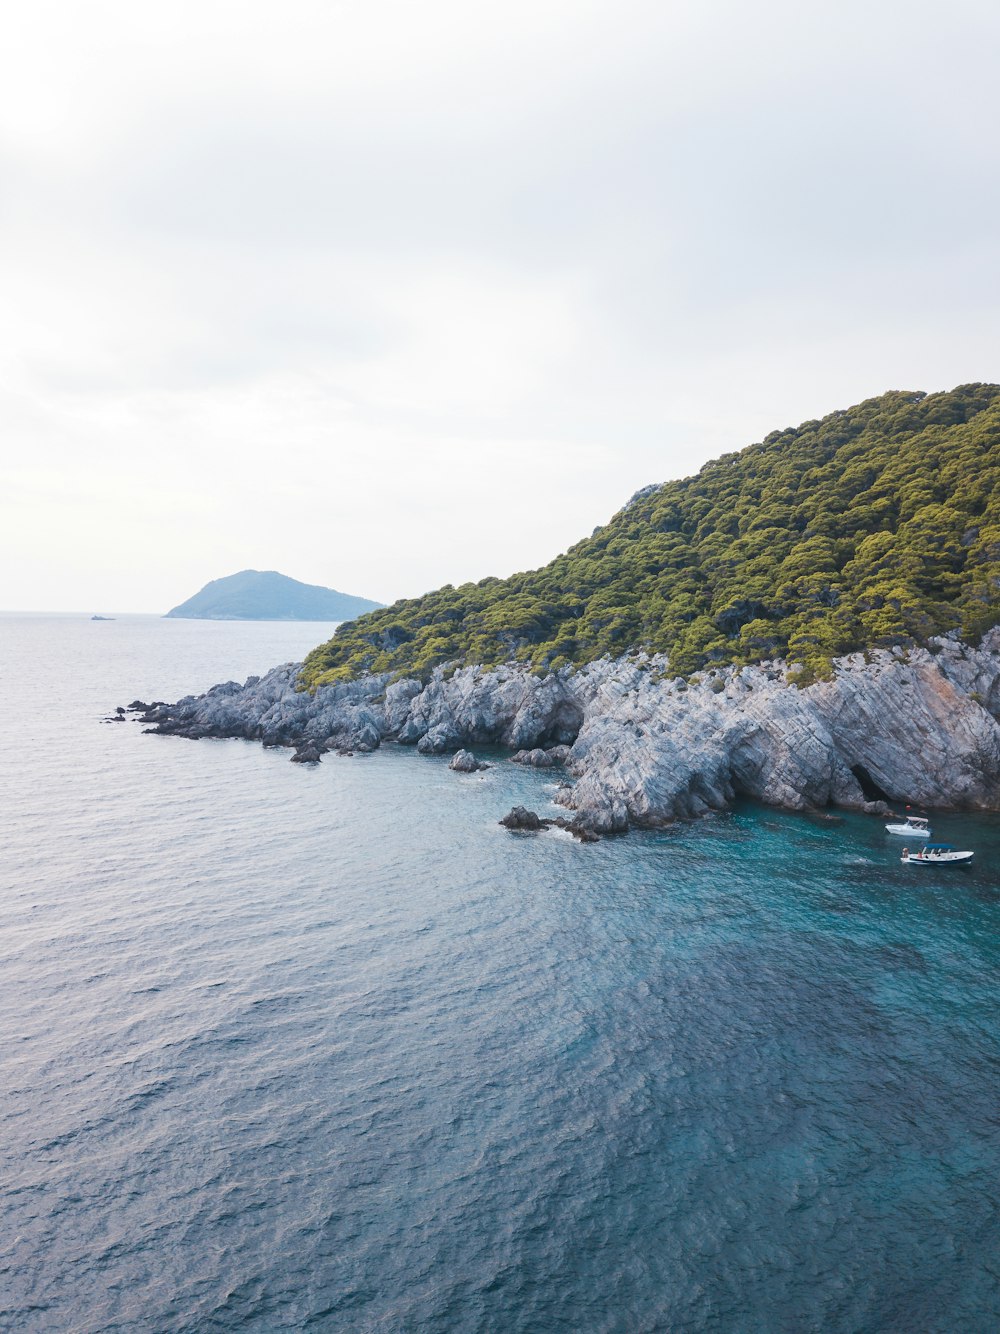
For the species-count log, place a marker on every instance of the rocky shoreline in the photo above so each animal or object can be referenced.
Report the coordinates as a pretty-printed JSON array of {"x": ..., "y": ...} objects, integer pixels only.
[{"x": 642, "y": 748}]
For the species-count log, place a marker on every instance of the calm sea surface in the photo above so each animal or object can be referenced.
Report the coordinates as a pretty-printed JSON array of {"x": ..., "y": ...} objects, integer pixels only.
[{"x": 291, "y": 1048}]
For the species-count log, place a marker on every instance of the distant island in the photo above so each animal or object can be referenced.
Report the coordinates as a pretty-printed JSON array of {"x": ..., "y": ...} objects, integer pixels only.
[{"x": 266, "y": 595}]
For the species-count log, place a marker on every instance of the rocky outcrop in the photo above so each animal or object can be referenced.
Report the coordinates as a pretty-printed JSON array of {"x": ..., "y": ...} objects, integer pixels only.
[
  {"x": 520, "y": 820},
  {"x": 307, "y": 754},
  {"x": 464, "y": 762},
  {"x": 542, "y": 759},
  {"x": 643, "y": 748}
]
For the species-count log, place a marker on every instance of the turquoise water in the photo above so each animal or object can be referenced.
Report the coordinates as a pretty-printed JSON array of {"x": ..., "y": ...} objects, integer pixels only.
[{"x": 325, "y": 1048}]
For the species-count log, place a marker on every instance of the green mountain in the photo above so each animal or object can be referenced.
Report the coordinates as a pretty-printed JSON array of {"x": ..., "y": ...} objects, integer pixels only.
[
  {"x": 879, "y": 525},
  {"x": 266, "y": 595}
]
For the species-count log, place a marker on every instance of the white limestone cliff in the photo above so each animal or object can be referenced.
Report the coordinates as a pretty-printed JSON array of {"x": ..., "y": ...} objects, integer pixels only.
[{"x": 917, "y": 726}]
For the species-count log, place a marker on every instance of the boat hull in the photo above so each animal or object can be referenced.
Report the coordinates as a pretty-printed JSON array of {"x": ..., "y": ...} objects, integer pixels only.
[{"x": 940, "y": 859}]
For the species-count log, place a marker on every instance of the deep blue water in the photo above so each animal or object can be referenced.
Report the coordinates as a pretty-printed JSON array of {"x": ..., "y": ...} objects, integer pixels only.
[{"x": 326, "y": 1049}]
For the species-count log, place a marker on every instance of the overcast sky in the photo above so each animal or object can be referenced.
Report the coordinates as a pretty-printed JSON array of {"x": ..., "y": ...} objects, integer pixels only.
[{"x": 389, "y": 295}]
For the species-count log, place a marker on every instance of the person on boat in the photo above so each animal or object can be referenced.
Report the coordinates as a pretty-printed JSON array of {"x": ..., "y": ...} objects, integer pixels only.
[{"x": 906, "y": 855}]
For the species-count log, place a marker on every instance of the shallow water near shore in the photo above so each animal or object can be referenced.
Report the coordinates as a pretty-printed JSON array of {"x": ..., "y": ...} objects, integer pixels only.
[{"x": 293, "y": 1047}]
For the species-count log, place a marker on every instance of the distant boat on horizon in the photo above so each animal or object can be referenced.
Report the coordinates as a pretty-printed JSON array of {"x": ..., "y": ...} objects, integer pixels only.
[{"x": 102, "y": 618}]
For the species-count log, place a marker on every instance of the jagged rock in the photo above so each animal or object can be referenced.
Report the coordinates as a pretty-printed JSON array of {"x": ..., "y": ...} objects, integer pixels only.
[
  {"x": 464, "y": 762},
  {"x": 397, "y": 703},
  {"x": 307, "y": 754},
  {"x": 438, "y": 740},
  {"x": 576, "y": 829},
  {"x": 537, "y": 758},
  {"x": 541, "y": 759},
  {"x": 644, "y": 748},
  {"x": 137, "y": 706},
  {"x": 519, "y": 817}
]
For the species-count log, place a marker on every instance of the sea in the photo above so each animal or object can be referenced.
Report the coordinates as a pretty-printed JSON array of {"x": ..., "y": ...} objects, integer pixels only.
[{"x": 326, "y": 1048}]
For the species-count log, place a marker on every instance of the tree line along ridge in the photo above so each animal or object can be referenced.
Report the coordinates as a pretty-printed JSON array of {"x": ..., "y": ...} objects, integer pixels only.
[{"x": 876, "y": 526}]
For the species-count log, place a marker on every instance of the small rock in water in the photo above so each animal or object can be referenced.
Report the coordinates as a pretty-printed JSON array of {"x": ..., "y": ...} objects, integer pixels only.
[
  {"x": 519, "y": 817},
  {"x": 464, "y": 762},
  {"x": 307, "y": 754}
]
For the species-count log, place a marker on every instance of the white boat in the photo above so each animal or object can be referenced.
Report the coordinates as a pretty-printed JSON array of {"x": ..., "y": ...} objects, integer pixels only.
[
  {"x": 915, "y": 826},
  {"x": 937, "y": 854}
]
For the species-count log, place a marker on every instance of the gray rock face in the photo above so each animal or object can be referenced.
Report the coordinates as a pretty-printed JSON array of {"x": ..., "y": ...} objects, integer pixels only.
[
  {"x": 542, "y": 759},
  {"x": 644, "y": 749}
]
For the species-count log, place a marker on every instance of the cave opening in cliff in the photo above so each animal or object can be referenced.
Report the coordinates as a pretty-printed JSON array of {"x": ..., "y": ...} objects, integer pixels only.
[{"x": 871, "y": 789}]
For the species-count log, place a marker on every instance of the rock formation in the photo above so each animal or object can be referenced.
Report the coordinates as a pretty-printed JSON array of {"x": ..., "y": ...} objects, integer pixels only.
[
  {"x": 464, "y": 762},
  {"x": 307, "y": 753},
  {"x": 542, "y": 759},
  {"x": 520, "y": 820},
  {"x": 644, "y": 748}
]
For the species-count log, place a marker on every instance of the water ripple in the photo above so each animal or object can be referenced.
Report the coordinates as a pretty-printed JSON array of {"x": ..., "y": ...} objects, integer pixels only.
[{"x": 334, "y": 1052}]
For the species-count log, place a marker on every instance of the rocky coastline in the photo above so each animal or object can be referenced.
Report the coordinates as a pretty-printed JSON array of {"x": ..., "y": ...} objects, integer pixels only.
[{"x": 640, "y": 747}]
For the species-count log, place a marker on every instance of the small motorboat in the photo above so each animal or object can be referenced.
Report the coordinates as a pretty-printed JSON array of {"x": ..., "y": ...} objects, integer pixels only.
[
  {"x": 915, "y": 826},
  {"x": 937, "y": 854}
]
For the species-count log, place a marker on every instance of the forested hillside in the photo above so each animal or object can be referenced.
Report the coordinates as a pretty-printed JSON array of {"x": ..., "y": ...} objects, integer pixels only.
[{"x": 878, "y": 525}]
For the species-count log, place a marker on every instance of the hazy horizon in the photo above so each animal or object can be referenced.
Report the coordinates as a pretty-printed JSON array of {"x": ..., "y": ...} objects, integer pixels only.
[
  {"x": 385, "y": 297},
  {"x": 77, "y": 611}
]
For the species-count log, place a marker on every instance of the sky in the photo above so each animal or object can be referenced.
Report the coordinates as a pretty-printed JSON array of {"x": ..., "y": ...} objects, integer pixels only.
[{"x": 390, "y": 295}]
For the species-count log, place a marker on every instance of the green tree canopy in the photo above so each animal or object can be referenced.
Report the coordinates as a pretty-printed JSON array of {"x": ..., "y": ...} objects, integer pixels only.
[{"x": 875, "y": 526}]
